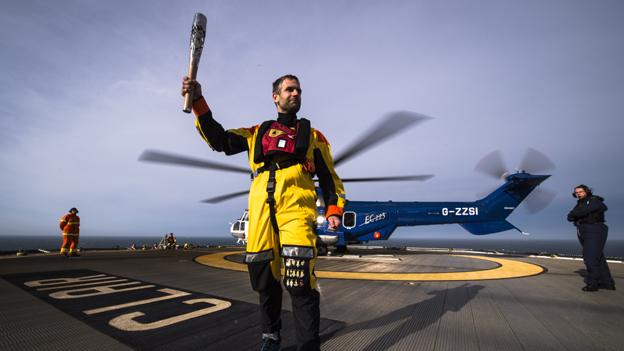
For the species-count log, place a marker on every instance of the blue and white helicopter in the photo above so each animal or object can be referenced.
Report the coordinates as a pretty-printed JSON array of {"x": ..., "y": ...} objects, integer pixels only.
[{"x": 365, "y": 221}]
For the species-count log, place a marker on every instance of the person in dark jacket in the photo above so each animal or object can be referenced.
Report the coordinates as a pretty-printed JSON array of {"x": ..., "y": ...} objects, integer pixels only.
[{"x": 588, "y": 217}]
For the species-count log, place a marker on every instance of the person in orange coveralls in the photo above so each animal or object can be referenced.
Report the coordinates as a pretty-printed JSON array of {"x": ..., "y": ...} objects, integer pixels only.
[{"x": 70, "y": 227}]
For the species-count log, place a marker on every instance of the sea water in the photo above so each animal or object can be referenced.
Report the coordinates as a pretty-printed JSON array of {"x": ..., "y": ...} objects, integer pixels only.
[{"x": 613, "y": 249}]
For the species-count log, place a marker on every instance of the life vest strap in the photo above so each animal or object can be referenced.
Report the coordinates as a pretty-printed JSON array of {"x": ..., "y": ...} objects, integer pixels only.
[
  {"x": 276, "y": 166},
  {"x": 271, "y": 202}
]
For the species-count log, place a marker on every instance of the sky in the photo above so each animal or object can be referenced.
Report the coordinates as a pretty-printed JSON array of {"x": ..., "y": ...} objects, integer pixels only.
[{"x": 88, "y": 85}]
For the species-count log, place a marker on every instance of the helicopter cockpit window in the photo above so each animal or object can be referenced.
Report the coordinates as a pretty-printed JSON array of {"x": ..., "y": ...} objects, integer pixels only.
[{"x": 348, "y": 219}]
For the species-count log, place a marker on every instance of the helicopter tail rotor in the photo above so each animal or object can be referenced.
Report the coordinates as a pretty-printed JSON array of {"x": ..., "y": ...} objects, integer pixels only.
[
  {"x": 533, "y": 162},
  {"x": 539, "y": 199},
  {"x": 492, "y": 165},
  {"x": 536, "y": 162}
]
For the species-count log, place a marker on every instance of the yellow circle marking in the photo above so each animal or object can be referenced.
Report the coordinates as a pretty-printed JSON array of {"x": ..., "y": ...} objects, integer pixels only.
[{"x": 508, "y": 269}]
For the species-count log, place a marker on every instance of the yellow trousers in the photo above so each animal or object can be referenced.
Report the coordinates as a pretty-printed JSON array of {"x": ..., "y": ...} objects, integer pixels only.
[{"x": 295, "y": 205}]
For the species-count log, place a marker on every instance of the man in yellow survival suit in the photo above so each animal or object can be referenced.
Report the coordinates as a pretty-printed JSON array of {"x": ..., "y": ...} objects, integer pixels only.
[{"x": 284, "y": 154}]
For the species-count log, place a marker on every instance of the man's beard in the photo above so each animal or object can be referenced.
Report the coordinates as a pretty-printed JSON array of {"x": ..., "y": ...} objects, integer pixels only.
[{"x": 291, "y": 107}]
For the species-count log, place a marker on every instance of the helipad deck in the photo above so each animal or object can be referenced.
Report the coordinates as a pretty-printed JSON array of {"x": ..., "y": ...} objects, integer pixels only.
[{"x": 188, "y": 306}]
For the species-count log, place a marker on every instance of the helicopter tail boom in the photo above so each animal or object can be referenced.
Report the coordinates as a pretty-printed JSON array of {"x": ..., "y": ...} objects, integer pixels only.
[{"x": 499, "y": 204}]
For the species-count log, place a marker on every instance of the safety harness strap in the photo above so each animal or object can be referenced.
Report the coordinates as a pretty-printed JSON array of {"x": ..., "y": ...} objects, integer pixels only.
[
  {"x": 302, "y": 141},
  {"x": 272, "y": 167},
  {"x": 271, "y": 201}
]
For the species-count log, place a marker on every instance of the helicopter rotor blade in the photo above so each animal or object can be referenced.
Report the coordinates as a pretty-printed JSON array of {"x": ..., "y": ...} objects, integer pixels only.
[
  {"x": 217, "y": 199},
  {"x": 492, "y": 164},
  {"x": 421, "y": 177},
  {"x": 392, "y": 124},
  {"x": 178, "y": 160},
  {"x": 538, "y": 199},
  {"x": 536, "y": 162}
]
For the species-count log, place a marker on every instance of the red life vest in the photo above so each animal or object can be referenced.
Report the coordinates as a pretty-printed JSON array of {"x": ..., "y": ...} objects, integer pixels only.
[
  {"x": 279, "y": 139},
  {"x": 276, "y": 140}
]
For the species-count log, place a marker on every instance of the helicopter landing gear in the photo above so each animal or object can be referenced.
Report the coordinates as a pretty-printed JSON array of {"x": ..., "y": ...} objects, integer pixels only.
[
  {"x": 321, "y": 249},
  {"x": 341, "y": 248}
]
